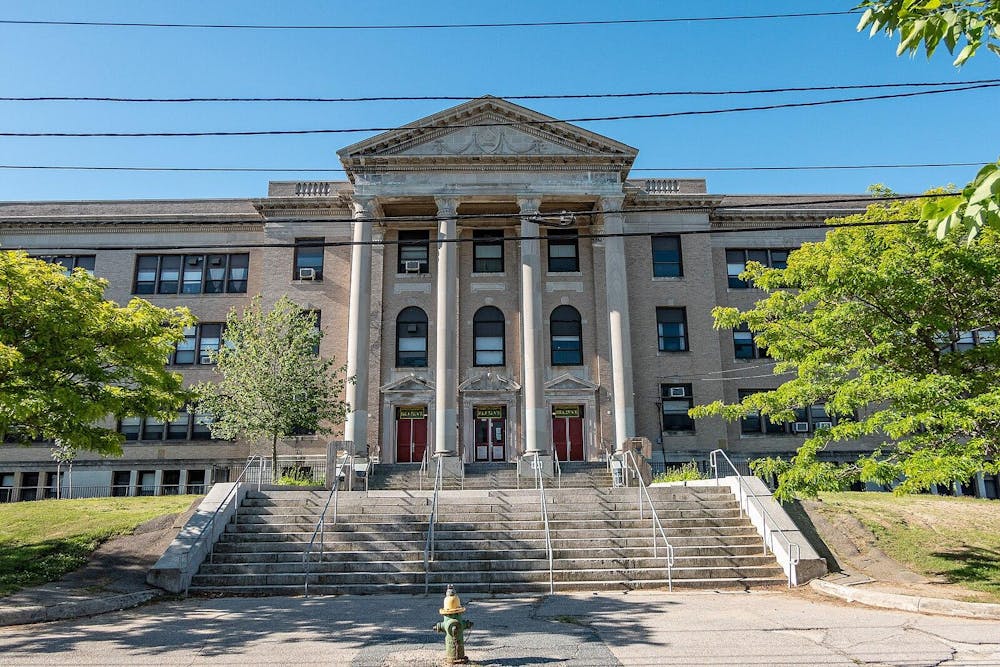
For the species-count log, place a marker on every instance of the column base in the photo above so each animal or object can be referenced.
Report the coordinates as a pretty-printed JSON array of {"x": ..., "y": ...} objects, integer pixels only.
[{"x": 526, "y": 466}]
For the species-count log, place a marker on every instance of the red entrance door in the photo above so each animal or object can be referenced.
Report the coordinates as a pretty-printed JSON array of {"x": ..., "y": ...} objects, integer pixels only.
[
  {"x": 491, "y": 433},
  {"x": 567, "y": 432},
  {"x": 411, "y": 434}
]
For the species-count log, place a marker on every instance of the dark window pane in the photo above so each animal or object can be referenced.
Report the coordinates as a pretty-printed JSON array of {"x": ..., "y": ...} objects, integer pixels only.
[
  {"x": 177, "y": 429},
  {"x": 488, "y": 335},
  {"x": 487, "y": 250},
  {"x": 563, "y": 251},
  {"x": 184, "y": 354},
  {"x": 210, "y": 337},
  {"x": 129, "y": 427},
  {"x": 413, "y": 251},
  {"x": 86, "y": 262},
  {"x": 194, "y": 269},
  {"x": 667, "y": 257},
  {"x": 152, "y": 429},
  {"x": 735, "y": 265},
  {"x": 170, "y": 274},
  {"x": 145, "y": 274},
  {"x": 215, "y": 274},
  {"x": 239, "y": 266},
  {"x": 779, "y": 259},
  {"x": 309, "y": 259},
  {"x": 411, "y": 338},
  {"x": 565, "y": 330},
  {"x": 671, "y": 329}
]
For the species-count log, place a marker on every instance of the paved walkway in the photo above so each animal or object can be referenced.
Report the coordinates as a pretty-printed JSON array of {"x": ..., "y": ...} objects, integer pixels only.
[{"x": 762, "y": 628}]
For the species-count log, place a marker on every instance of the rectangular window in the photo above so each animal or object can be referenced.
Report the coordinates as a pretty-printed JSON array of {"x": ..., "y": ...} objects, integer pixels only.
[
  {"x": 667, "y": 256},
  {"x": 487, "y": 251},
  {"x": 200, "y": 427},
  {"x": 413, "y": 251},
  {"x": 177, "y": 428},
  {"x": 70, "y": 262},
  {"x": 309, "y": 259},
  {"x": 199, "y": 342},
  {"x": 191, "y": 274},
  {"x": 196, "y": 481},
  {"x": 676, "y": 400},
  {"x": 745, "y": 344},
  {"x": 807, "y": 420},
  {"x": 185, "y": 426},
  {"x": 671, "y": 329},
  {"x": 755, "y": 423},
  {"x": 736, "y": 263},
  {"x": 564, "y": 251}
]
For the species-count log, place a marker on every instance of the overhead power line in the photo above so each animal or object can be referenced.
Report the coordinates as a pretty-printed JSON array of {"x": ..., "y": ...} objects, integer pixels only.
[
  {"x": 670, "y": 114},
  {"x": 314, "y": 170},
  {"x": 451, "y": 98},
  {"x": 461, "y": 240},
  {"x": 424, "y": 26}
]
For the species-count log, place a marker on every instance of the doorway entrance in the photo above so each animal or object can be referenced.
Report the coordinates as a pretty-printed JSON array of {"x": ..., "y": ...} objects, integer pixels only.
[
  {"x": 411, "y": 434},
  {"x": 567, "y": 432},
  {"x": 490, "y": 432}
]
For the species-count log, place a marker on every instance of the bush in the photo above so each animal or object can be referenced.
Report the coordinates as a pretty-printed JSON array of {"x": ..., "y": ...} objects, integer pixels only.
[
  {"x": 684, "y": 473},
  {"x": 297, "y": 477}
]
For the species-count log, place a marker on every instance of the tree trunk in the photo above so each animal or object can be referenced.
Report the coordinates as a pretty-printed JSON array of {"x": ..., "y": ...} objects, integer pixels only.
[{"x": 274, "y": 458}]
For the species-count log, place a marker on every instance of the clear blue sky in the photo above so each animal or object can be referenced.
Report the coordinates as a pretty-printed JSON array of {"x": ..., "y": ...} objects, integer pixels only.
[{"x": 133, "y": 62}]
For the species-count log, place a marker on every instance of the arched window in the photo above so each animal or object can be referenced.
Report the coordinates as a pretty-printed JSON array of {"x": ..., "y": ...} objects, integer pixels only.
[
  {"x": 566, "y": 335},
  {"x": 488, "y": 332},
  {"x": 411, "y": 338}
]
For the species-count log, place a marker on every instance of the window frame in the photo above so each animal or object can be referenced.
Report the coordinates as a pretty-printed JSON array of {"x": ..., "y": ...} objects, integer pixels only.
[
  {"x": 417, "y": 323},
  {"x": 197, "y": 348},
  {"x": 179, "y": 285},
  {"x": 565, "y": 324},
  {"x": 305, "y": 248},
  {"x": 409, "y": 239},
  {"x": 563, "y": 238},
  {"x": 666, "y": 398},
  {"x": 769, "y": 260},
  {"x": 675, "y": 238},
  {"x": 756, "y": 351},
  {"x": 478, "y": 322},
  {"x": 487, "y": 238},
  {"x": 75, "y": 261},
  {"x": 683, "y": 337}
]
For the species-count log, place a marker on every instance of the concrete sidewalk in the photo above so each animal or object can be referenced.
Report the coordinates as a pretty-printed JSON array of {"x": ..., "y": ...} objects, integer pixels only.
[{"x": 763, "y": 628}]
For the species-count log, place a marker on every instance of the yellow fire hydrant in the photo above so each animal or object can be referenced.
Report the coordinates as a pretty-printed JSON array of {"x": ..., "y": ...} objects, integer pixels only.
[{"x": 453, "y": 627}]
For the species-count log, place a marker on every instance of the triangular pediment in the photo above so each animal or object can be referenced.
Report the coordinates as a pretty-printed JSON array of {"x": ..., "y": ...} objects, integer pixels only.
[
  {"x": 487, "y": 126},
  {"x": 489, "y": 382},
  {"x": 568, "y": 382},
  {"x": 408, "y": 383}
]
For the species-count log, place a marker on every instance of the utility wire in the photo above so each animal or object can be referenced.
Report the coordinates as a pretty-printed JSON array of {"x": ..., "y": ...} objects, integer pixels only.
[
  {"x": 310, "y": 170},
  {"x": 425, "y": 26},
  {"x": 460, "y": 240},
  {"x": 671, "y": 114},
  {"x": 447, "y": 98}
]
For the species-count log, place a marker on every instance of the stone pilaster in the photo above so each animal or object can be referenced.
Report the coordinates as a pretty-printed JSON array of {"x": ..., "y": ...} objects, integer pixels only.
[
  {"x": 358, "y": 334},
  {"x": 446, "y": 331},
  {"x": 536, "y": 419},
  {"x": 619, "y": 336}
]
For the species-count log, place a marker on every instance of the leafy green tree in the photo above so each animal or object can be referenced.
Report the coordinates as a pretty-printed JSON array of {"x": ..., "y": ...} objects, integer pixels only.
[
  {"x": 273, "y": 383},
  {"x": 870, "y": 321},
  {"x": 969, "y": 24},
  {"x": 69, "y": 358}
]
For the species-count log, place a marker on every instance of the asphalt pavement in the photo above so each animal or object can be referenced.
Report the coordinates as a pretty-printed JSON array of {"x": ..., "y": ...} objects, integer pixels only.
[{"x": 637, "y": 628}]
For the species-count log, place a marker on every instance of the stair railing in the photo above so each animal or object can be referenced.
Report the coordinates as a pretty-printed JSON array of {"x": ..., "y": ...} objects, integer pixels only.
[
  {"x": 536, "y": 465},
  {"x": 422, "y": 471},
  {"x": 631, "y": 465},
  {"x": 209, "y": 528},
  {"x": 345, "y": 467},
  {"x": 555, "y": 459},
  {"x": 429, "y": 543},
  {"x": 794, "y": 551}
]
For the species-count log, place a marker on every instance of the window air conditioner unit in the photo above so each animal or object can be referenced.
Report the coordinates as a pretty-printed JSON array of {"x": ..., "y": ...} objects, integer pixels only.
[
  {"x": 800, "y": 427},
  {"x": 412, "y": 266},
  {"x": 820, "y": 425},
  {"x": 678, "y": 392},
  {"x": 194, "y": 261},
  {"x": 307, "y": 273},
  {"x": 205, "y": 359}
]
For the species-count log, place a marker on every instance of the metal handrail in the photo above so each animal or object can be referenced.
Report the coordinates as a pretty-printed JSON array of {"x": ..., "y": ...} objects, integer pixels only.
[
  {"x": 555, "y": 459},
  {"x": 656, "y": 524},
  {"x": 320, "y": 528},
  {"x": 422, "y": 471},
  {"x": 211, "y": 521},
  {"x": 794, "y": 550},
  {"x": 429, "y": 543},
  {"x": 540, "y": 485}
]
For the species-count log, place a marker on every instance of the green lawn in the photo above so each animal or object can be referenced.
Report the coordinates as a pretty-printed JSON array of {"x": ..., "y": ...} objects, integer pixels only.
[
  {"x": 957, "y": 539},
  {"x": 42, "y": 540}
]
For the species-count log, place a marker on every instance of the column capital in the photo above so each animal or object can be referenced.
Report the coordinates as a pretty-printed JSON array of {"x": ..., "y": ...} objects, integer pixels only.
[
  {"x": 612, "y": 204},
  {"x": 529, "y": 205},
  {"x": 447, "y": 206},
  {"x": 365, "y": 206}
]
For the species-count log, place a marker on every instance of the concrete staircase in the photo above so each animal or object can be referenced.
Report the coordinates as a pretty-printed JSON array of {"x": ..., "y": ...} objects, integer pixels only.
[{"x": 487, "y": 541}]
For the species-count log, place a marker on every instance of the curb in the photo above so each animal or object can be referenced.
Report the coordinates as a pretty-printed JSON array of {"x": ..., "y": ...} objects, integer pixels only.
[
  {"x": 912, "y": 603},
  {"x": 65, "y": 610}
]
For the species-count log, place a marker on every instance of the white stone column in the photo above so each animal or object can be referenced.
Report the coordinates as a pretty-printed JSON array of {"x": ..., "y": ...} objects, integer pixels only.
[
  {"x": 359, "y": 322},
  {"x": 536, "y": 419},
  {"x": 619, "y": 336},
  {"x": 446, "y": 331}
]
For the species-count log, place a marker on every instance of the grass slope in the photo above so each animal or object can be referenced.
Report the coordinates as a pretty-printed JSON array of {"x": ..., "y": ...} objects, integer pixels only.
[
  {"x": 42, "y": 540},
  {"x": 956, "y": 539}
]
